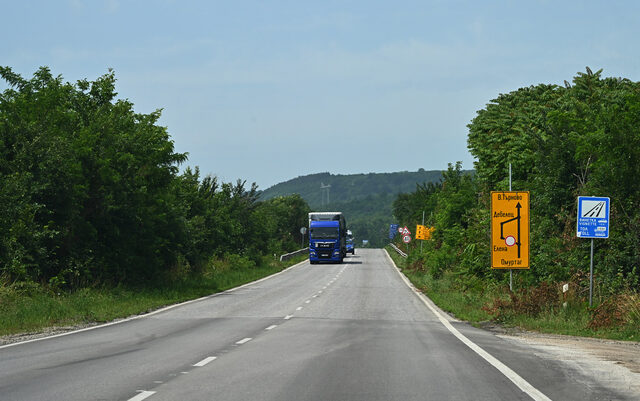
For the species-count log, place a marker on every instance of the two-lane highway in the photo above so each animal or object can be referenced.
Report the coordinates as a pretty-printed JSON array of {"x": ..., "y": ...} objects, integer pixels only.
[{"x": 353, "y": 331}]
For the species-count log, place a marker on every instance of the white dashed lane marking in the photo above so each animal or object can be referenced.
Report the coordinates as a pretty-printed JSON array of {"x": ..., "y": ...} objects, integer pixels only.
[
  {"x": 142, "y": 395},
  {"x": 244, "y": 341},
  {"x": 205, "y": 361}
]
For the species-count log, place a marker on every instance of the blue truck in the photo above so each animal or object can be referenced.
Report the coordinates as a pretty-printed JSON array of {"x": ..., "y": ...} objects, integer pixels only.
[
  {"x": 327, "y": 237},
  {"x": 351, "y": 247}
]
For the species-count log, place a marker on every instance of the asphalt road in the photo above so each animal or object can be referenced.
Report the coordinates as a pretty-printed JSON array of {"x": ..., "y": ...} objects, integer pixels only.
[{"x": 353, "y": 331}]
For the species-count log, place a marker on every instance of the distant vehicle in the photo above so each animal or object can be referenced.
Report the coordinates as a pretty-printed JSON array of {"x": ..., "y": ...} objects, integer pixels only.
[
  {"x": 327, "y": 237},
  {"x": 351, "y": 247}
]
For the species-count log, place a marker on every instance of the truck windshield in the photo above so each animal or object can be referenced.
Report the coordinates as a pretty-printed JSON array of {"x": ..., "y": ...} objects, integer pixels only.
[{"x": 324, "y": 233}]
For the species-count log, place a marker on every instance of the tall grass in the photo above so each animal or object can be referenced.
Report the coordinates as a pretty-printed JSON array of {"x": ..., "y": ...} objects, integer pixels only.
[
  {"x": 543, "y": 308},
  {"x": 31, "y": 308}
]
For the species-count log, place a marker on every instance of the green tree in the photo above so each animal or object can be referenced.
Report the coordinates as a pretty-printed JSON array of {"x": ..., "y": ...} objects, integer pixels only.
[{"x": 93, "y": 179}]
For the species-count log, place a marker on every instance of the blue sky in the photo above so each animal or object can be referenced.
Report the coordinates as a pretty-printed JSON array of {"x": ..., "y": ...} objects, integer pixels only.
[{"x": 266, "y": 91}]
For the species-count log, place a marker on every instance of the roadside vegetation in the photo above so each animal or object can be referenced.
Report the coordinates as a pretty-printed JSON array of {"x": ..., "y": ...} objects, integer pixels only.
[
  {"x": 579, "y": 139},
  {"x": 99, "y": 222},
  {"x": 28, "y": 308},
  {"x": 540, "y": 309}
]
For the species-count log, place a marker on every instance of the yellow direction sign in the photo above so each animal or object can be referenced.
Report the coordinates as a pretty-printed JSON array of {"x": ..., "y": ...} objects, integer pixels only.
[
  {"x": 423, "y": 232},
  {"x": 509, "y": 230}
]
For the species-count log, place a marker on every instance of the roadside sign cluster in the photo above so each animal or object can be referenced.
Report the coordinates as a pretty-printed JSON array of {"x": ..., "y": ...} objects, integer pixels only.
[
  {"x": 510, "y": 230},
  {"x": 424, "y": 232},
  {"x": 406, "y": 234}
]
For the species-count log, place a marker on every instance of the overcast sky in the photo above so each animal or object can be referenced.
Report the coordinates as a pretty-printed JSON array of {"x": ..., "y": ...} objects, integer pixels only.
[{"x": 267, "y": 91}]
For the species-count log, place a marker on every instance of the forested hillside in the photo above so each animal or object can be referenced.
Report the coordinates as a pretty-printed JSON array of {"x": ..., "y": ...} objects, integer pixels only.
[
  {"x": 345, "y": 188},
  {"x": 581, "y": 139},
  {"x": 368, "y": 218},
  {"x": 365, "y": 199}
]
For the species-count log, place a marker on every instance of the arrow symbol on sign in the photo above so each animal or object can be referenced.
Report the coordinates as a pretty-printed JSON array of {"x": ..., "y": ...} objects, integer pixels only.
[{"x": 517, "y": 219}]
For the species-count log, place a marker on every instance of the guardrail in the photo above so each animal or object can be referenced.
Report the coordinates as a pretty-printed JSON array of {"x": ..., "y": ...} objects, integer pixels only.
[
  {"x": 292, "y": 254},
  {"x": 404, "y": 255}
]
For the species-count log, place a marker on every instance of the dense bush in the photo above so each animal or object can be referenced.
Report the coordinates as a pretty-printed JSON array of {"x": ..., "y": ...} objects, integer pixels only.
[
  {"x": 91, "y": 192},
  {"x": 562, "y": 142}
]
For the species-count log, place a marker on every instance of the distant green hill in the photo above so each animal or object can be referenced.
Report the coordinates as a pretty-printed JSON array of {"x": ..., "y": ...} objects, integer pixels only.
[
  {"x": 365, "y": 199},
  {"x": 345, "y": 188}
]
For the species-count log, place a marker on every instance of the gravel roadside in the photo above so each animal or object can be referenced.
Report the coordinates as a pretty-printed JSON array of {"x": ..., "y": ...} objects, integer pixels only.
[{"x": 608, "y": 363}]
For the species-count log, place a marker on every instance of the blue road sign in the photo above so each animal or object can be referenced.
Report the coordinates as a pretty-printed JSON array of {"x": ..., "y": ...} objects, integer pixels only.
[
  {"x": 593, "y": 217},
  {"x": 393, "y": 230}
]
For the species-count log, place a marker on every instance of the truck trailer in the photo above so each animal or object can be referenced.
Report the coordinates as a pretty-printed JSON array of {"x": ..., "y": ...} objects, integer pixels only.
[{"x": 327, "y": 237}]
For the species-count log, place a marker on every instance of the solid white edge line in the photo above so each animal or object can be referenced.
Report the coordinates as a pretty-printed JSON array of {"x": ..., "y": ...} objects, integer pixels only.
[
  {"x": 142, "y": 395},
  {"x": 166, "y": 308},
  {"x": 244, "y": 340},
  {"x": 205, "y": 361},
  {"x": 522, "y": 384}
]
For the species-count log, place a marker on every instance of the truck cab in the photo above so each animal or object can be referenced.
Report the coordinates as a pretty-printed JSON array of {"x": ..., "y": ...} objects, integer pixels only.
[{"x": 327, "y": 237}]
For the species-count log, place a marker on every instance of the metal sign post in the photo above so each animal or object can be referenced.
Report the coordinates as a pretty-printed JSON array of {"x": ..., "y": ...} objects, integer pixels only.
[
  {"x": 423, "y": 225},
  {"x": 592, "y": 222},
  {"x": 406, "y": 236},
  {"x": 510, "y": 270},
  {"x": 591, "y": 277},
  {"x": 303, "y": 231}
]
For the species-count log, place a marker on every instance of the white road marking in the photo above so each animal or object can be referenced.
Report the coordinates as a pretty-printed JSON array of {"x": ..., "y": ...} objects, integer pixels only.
[
  {"x": 273, "y": 326},
  {"x": 143, "y": 395},
  {"x": 307, "y": 301},
  {"x": 158, "y": 382},
  {"x": 299, "y": 308},
  {"x": 315, "y": 296},
  {"x": 288, "y": 317},
  {"x": 244, "y": 341},
  {"x": 515, "y": 378},
  {"x": 205, "y": 361}
]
